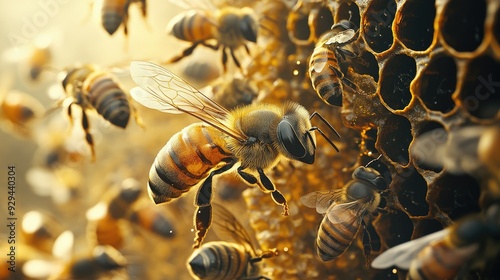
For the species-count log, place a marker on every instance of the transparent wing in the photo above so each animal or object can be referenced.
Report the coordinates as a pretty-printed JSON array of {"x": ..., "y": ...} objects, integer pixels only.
[
  {"x": 456, "y": 151},
  {"x": 320, "y": 200},
  {"x": 343, "y": 37},
  {"x": 346, "y": 213},
  {"x": 194, "y": 4},
  {"x": 403, "y": 254},
  {"x": 162, "y": 90},
  {"x": 229, "y": 229}
]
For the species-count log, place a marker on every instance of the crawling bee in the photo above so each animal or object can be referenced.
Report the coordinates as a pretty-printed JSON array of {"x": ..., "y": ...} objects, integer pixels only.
[
  {"x": 324, "y": 69},
  {"x": 226, "y": 260},
  {"x": 106, "y": 219},
  {"x": 346, "y": 211},
  {"x": 92, "y": 88},
  {"x": 230, "y": 27},
  {"x": 448, "y": 253},
  {"x": 254, "y": 137},
  {"x": 115, "y": 13},
  {"x": 18, "y": 110}
]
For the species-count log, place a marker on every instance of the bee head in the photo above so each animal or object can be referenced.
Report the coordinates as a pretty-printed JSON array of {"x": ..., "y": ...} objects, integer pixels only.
[
  {"x": 371, "y": 176},
  {"x": 294, "y": 134},
  {"x": 248, "y": 28}
]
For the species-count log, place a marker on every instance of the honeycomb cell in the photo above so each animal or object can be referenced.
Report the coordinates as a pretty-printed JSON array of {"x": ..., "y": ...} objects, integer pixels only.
[
  {"x": 480, "y": 94},
  {"x": 463, "y": 24},
  {"x": 458, "y": 195},
  {"x": 412, "y": 194},
  {"x": 437, "y": 84},
  {"x": 366, "y": 64},
  {"x": 415, "y": 24},
  {"x": 348, "y": 11},
  {"x": 394, "y": 227},
  {"x": 322, "y": 21},
  {"x": 377, "y": 26},
  {"x": 425, "y": 227},
  {"x": 368, "y": 143},
  {"x": 428, "y": 127},
  {"x": 394, "y": 137},
  {"x": 395, "y": 85},
  {"x": 298, "y": 25}
]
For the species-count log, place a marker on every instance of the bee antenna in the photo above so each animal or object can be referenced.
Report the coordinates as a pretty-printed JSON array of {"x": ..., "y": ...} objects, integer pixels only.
[
  {"x": 373, "y": 160},
  {"x": 321, "y": 132}
]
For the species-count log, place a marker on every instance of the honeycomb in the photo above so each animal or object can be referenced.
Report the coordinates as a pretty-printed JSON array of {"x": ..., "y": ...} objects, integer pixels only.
[{"x": 425, "y": 65}]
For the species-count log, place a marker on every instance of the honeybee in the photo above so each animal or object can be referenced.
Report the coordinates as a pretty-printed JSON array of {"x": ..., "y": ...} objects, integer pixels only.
[
  {"x": 252, "y": 138},
  {"x": 230, "y": 27},
  {"x": 18, "y": 111},
  {"x": 346, "y": 211},
  {"x": 92, "y": 88},
  {"x": 226, "y": 260},
  {"x": 324, "y": 69},
  {"x": 39, "y": 230},
  {"x": 448, "y": 253},
  {"x": 231, "y": 94},
  {"x": 115, "y": 13},
  {"x": 106, "y": 218}
]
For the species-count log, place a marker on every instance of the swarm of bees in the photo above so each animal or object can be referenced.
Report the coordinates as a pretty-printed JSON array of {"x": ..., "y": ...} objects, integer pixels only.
[{"x": 394, "y": 79}]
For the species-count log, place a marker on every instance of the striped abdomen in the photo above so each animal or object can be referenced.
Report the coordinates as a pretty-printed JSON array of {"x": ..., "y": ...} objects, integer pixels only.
[
  {"x": 185, "y": 160},
  {"x": 334, "y": 236},
  {"x": 112, "y": 13},
  {"x": 108, "y": 99},
  {"x": 324, "y": 77},
  {"x": 192, "y": 26},
  {"x": 220, "y": 261}
]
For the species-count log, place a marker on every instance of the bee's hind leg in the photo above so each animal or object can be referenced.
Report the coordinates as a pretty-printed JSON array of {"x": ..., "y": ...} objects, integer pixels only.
[
  {"x": 203, "y": 214},
  {"x": 186, "y": 52}
]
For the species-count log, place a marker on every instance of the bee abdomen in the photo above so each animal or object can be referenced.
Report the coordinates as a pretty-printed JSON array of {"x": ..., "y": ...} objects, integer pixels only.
[
  {"x": 112, "y": 15},
  {"x": 218, "y": 260},
  {"x": 184, "y": 161},
  {"x": 192, "y": 26},
  {"x": 333, "y": 240},
  {"x": 324, "y": 79},
  {"x": 109, "y": 100}
]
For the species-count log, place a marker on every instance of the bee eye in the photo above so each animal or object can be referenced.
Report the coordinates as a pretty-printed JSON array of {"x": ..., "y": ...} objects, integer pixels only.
[
  {"x": 288, "y": 138},
  {"x": 247, "y": 28},
  {"x": 370, "y": 175}
]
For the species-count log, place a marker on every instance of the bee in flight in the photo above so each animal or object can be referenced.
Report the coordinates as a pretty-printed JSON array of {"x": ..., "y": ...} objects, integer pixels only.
[
  {"x": 94, "y": 89},
  {"x": 333, "y": 48},
  {"x": 230, "y": 27},
  {"x": 18, "y": 111},
  {"x": 226, "y": 260},
  {"x": 251, "y": 138},
  {"x": 115, "y": 13},
  {"x": 346, "y": 211},
  {"x": 450, "y": 252}
]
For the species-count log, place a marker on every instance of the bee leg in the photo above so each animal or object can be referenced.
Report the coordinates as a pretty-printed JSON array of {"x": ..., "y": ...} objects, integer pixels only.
[
  {"x": 276, "y": 195},
  {"x": 88, "y": 136},
  {"x": 185, "y": 53},
  {"x": 203, "y": 214},
  {"x": 236, "y": 61},
  {"x": 224, "y": 59},
  {"x": 264, "y": 255}
]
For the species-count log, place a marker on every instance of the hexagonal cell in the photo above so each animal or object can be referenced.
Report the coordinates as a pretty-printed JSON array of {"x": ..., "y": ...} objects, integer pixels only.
[
  {"x": 298, "y": 25},
  {"x": 480, "y": 94},
  {"x": 412, "y": 194},
  {"x": 367, "y": 64},
  {"x": 394, "y": 227},
  {"x": 425, "y": 227},
  {"x": 377, "y": 25},
  {"x": 457, "y": 196},
  {"x": 368, "y": 143},
  {"x": 395, "y": 137},
  {"x": 349, "y": 11},
  {"x": 397, "y": 75},
  {"x": 415, "y": 24},
  {"x": 443, "y": 137},
  {"x": 462, "y": 24},
  {"x": 437, "y": 84},
  {"x": 323, "y": 21}
]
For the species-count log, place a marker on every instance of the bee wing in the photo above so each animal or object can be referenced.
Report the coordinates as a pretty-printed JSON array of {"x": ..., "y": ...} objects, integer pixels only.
[
  {"x": 228, "y": 228},
  {"x": 339, "y": 213},
  {"x": 458, "y": 154},
  {"x": 195, "y": 4},
  {"x": 320, "y": 200},
  {"x": 343, "y": 37},
  {"x": 403, "y": 254},
  {"x": 162, "y": 90}
]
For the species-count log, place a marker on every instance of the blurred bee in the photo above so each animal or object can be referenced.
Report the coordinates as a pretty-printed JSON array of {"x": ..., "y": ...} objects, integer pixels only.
[
  {"x": 346, "y": 211},
  {"x": 230, "y": 27},
  {"x": 40, "y": 230},
  {"x": 18, "y": 111},
  {"x": 324, "y": 69},
  {"x": 231, "y": 94},
  {"x": 106, "y": 219},
  {"x": 38, "y": 61},
  {"x": 92, "y": 88},
  {"x": 254, "y": 137},
  {"x": 449, "y": 253},
  {"x": 115, "y": 13},
  {"x": 227, "y": 260}
]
